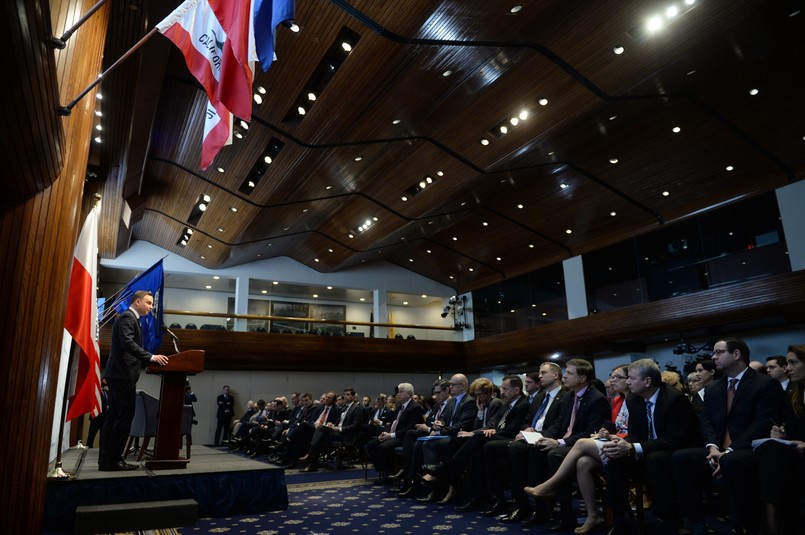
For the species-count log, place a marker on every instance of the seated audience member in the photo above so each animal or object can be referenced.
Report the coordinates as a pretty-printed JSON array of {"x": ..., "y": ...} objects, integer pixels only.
[
  {"x": 293, "y": 442},
  {"x": 754, "y": 400},
  {"x": 661, "y": 420},
  {"x": 782, "y": 466},
  {"x": 379, "y": 419},
  {"x": 381, "y": 449},
  {"x": 521, "y": 458},
  {"x": 777, "y": 369},
  {"x": 758, "y": 367},
  {"x": 345, "y": 430},
  {"x": 672, "y": 379},
  {"x": 444, "y": 451},
  {"x": 412, "y": 447},
  {"x": 501, "y": 424},
  {"x": 245, "y": 427},
  {"x": 585, "y": 459}
]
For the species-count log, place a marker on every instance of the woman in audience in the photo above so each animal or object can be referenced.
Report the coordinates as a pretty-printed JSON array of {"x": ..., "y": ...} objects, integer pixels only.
[
  {"x": 706, "y": 371},
  {"x": 673, "y": 380},
  {"x": 585, "y": 456},
  {"x": 782, "y": 465}
]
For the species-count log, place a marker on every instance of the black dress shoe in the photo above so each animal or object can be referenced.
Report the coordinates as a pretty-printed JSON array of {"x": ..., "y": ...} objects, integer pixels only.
[
  {"x": 472, "y": 505},
  {"x": 497, "y": 509},
  {"x": 561, "y": 525},
  {"x": 518, "y": 515},
  {"x": 410, "y": 492},
  {"x": 120, "y": 466},
  {"x": 535, "y": 519},
  {"x": 429, "y": 497},
  {"x": 432, "y": 469}
]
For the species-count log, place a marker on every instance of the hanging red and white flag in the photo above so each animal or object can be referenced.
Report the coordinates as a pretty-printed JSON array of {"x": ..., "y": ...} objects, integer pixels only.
[
  {"x": 217, "y": 132},
  {"x": 81, "y": 320}
]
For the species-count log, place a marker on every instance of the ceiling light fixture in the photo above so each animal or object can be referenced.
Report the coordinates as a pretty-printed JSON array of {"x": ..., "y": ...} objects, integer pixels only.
[
  {"x": 676, "y": 130},
  {"x": 447, "y": 73},
  {"x": 543, "y": 101},
  {"x": 516, "y": 8},
  {"x": 613, "y": 161},
  {"x": 523, "y": 115},
  {"x": 618, "y": 49},
  {"x": 294, "y": 27},
  {"x": 484, "y": 141},
  {"x": 258, "y": 99},
  {"x": 666, "y": 193},
  {"x": 753, "y": 92},
  {"x": 395, "y": 121},
  {"x": 729, "y": 168}
]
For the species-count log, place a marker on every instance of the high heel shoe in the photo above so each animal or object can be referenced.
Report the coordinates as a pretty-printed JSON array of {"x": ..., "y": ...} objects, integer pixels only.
[
  {"x": 593, "y": 523},
  {"x": 451, "y": 495},
  {"x": 537, "y": 492}
]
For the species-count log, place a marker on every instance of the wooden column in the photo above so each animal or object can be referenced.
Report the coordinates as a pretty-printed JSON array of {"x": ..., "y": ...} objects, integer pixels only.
[{"x": 40, "y": 216}]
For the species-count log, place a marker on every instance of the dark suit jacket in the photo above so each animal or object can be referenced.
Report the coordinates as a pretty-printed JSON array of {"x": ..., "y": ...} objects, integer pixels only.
[
  {"x": 126, "y": 356},
  {"x": 225, "y": 406},
  {"x": 462, "y": 417},
  {"x": 675, "y": 422},
  {"x": 553, "y": 411},
  {"x": 514, "y": 419},
  {"x": 352, "y": 422},
  {"x": 413, "y": 414},
  {"x": 333, "y": 418},
  {"x": 758, "y": 403},
  {"x": 593, "y": 410},
  {"x": 493, "y": 413}
]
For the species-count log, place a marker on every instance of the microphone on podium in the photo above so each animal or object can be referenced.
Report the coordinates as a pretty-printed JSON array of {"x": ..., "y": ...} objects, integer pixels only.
[{"x": 173, "y": 336}]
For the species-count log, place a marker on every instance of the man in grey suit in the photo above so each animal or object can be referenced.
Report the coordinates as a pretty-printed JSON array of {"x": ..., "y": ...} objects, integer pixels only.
[{"x": 126, "y": 358}]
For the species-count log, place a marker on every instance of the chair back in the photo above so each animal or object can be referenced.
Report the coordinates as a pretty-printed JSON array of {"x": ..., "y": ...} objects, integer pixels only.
[
  {"x": 187, "y": 420},
  {"x": 144, "y": 423}
]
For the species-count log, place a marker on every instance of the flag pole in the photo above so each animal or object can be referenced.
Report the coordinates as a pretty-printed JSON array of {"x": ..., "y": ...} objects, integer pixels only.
[
  {"x": 61, "y": 42},
  {"x": 58, "y": 471},
  {"x": 65, "y": 111}
]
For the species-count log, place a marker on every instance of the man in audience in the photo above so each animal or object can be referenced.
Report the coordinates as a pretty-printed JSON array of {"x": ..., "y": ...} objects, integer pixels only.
[
  {"x": 226, "y": 405},
  {"x": 412, "y": 447},
  {"x": 531, "y": 386},
  {"x": 777, "y": 368},
  {"x": 583, "y": 413},
  {"x": 738, "y": 408},
  {"x": 346, "y": 431},
  {"x": 661, "y": 420},
  {"x": 381, "y": 449},
  {"x": 292, "y": 443},
  {"x": 520, "y": 457},
  {"x": 463, "y": 411}
]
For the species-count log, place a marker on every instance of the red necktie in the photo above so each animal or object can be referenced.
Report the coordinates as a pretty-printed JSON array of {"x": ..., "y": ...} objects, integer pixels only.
[
  {"x": 730, "y": 397},
  {"x": 323, "y": 417},
  {"x": 576, "y": 401}
]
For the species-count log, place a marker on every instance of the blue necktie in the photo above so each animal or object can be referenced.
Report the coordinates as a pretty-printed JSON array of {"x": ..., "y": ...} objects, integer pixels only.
[
  {"x": 540, "y": 410},
  {"x": 651, "y": 434}
]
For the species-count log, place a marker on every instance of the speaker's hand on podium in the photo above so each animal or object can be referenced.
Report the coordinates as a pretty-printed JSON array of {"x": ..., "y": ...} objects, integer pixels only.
[{"x": 162, "y": 360}]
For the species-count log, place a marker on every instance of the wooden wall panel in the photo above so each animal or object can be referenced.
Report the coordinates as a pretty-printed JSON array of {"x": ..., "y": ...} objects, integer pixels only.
[
  {"x": 294, "y": 352},
  {"x": 37, "y": 237}
]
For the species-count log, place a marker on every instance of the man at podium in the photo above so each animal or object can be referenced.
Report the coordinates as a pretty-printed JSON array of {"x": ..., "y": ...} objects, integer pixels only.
[{"x": 126, "y": 358}]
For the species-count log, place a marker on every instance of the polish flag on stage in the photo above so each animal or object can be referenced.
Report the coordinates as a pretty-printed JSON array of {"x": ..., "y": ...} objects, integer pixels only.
[
  {"x": 195, "y": 29},
  {"x": 81, "y": 321}
]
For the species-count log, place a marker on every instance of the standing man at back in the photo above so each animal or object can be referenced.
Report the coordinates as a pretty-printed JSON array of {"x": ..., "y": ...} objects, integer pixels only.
[
  {"x": 126, "y": 358},
  {"x": 226, "y": 406}
]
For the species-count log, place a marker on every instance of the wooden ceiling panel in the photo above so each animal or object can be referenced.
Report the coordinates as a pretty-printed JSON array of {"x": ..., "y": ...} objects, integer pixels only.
[{"x": 347, "y": 161}]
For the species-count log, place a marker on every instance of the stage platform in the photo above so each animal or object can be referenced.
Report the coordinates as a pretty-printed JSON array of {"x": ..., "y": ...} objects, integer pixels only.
[{"x": 221, "y": 483}]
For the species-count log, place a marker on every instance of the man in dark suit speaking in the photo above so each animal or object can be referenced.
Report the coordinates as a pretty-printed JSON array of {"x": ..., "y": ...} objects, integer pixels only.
[{"x": 126, "y": 358}]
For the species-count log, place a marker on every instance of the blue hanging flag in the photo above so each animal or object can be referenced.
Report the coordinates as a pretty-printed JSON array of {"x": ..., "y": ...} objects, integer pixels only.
[{"x": 153, "y": 280}]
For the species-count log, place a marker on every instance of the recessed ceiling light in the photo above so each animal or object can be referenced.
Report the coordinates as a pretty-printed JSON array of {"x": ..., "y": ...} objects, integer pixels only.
[
  {"x": 471, "y": 269},
  {"x": 315, "y": 259},
  {"x": 244, "y": 125},
  {"x": 346, "y": 46},
  {"x": 654, "y": 24},
  {"x": 484, "y": 141},
  {"x": 208, "y": 287},
  {"x": 234, "y": 209},
  {"x": 451, "y": 277},
  {"x": 410, "y": 259},
  {"x": 350, "y": 235},
  {"x": 220, "y": 229},
  {"x": 504, "y": 129},
  {"x": 447, "y": 73},
  {"x": 516, "y": 8},
  {"x": 514, "y": 121},
  {"x": 676, "y": 130},
  {"x": 203, "y": 257},
  {"x": 613, "y": 161},
  {"x": 216, "y": 277},
  {"x": 329, "y": 287},
  {"x": 98, "y": 127},
  {"x": 261, "y": 90},
  {"x": 220, "y": 169},
  {"x": 666, "y": 193},
  {"x": 328, "y": 187},
  {"x": 300, "y": 110},
  {"x": 99, "y": 96},
  {"x": 405, "y": 302},
  {"x": 618, "y": 49},
  {"x": 311, "y": 96},
  {"x": 753, "y": 92},
  {"x": 568, "y": 231},
  {"x": 395, "y": 121},
  {"x": 564, "y": 186},
  {"x": 294, "y": 27},
  {"x": 729, "y": 168},
  {"x": 315, "y": 296},
  {"x": 543, "y": 101},
  {"x": 613, "y": 117},
  {"x": 258, "y": 99},
  {"x": 358, "y": 158},
  {"x": 427, "y": 251},
  {"x": 520, "y": 206},
  {"x": 275, "y": 283},
  {"x": 267, "y": 159},
  {"x": 99, "y": 113},
  {"x": 613, "y": 213},
  {"x": 362, "y": 299},
  {"x": 98, "y": 139},
  {"x": 671, "y": 12},
  {"x": 523, "y": 115},
  {"x": 530, "y": 245},
  {"x": 404, "y": 198},
  {"x": 455, "y": 238},
  {"x": 439, "y": 173},
  {"x": 497, "y": 258},
  {"x": 264, "y": 292},
  {"x": 485, "y": 224}
]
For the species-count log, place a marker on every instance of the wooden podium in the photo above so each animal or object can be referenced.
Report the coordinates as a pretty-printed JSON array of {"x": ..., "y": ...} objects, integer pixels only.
[{"x": 171, "y": 408}]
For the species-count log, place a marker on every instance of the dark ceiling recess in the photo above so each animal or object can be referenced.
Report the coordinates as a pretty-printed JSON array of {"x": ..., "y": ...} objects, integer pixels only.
[{"x": 261, "y": 166}]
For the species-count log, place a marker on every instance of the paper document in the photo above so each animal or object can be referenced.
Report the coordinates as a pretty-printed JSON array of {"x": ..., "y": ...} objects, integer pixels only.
[{"x": 531, "y": 436}]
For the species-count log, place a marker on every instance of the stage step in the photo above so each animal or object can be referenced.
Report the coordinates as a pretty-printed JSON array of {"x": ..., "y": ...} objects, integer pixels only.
[{"x": 135, "y": 516}]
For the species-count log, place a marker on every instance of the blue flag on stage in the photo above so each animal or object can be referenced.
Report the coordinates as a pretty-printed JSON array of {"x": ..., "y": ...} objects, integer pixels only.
[{"x": 153, "y": 280}]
